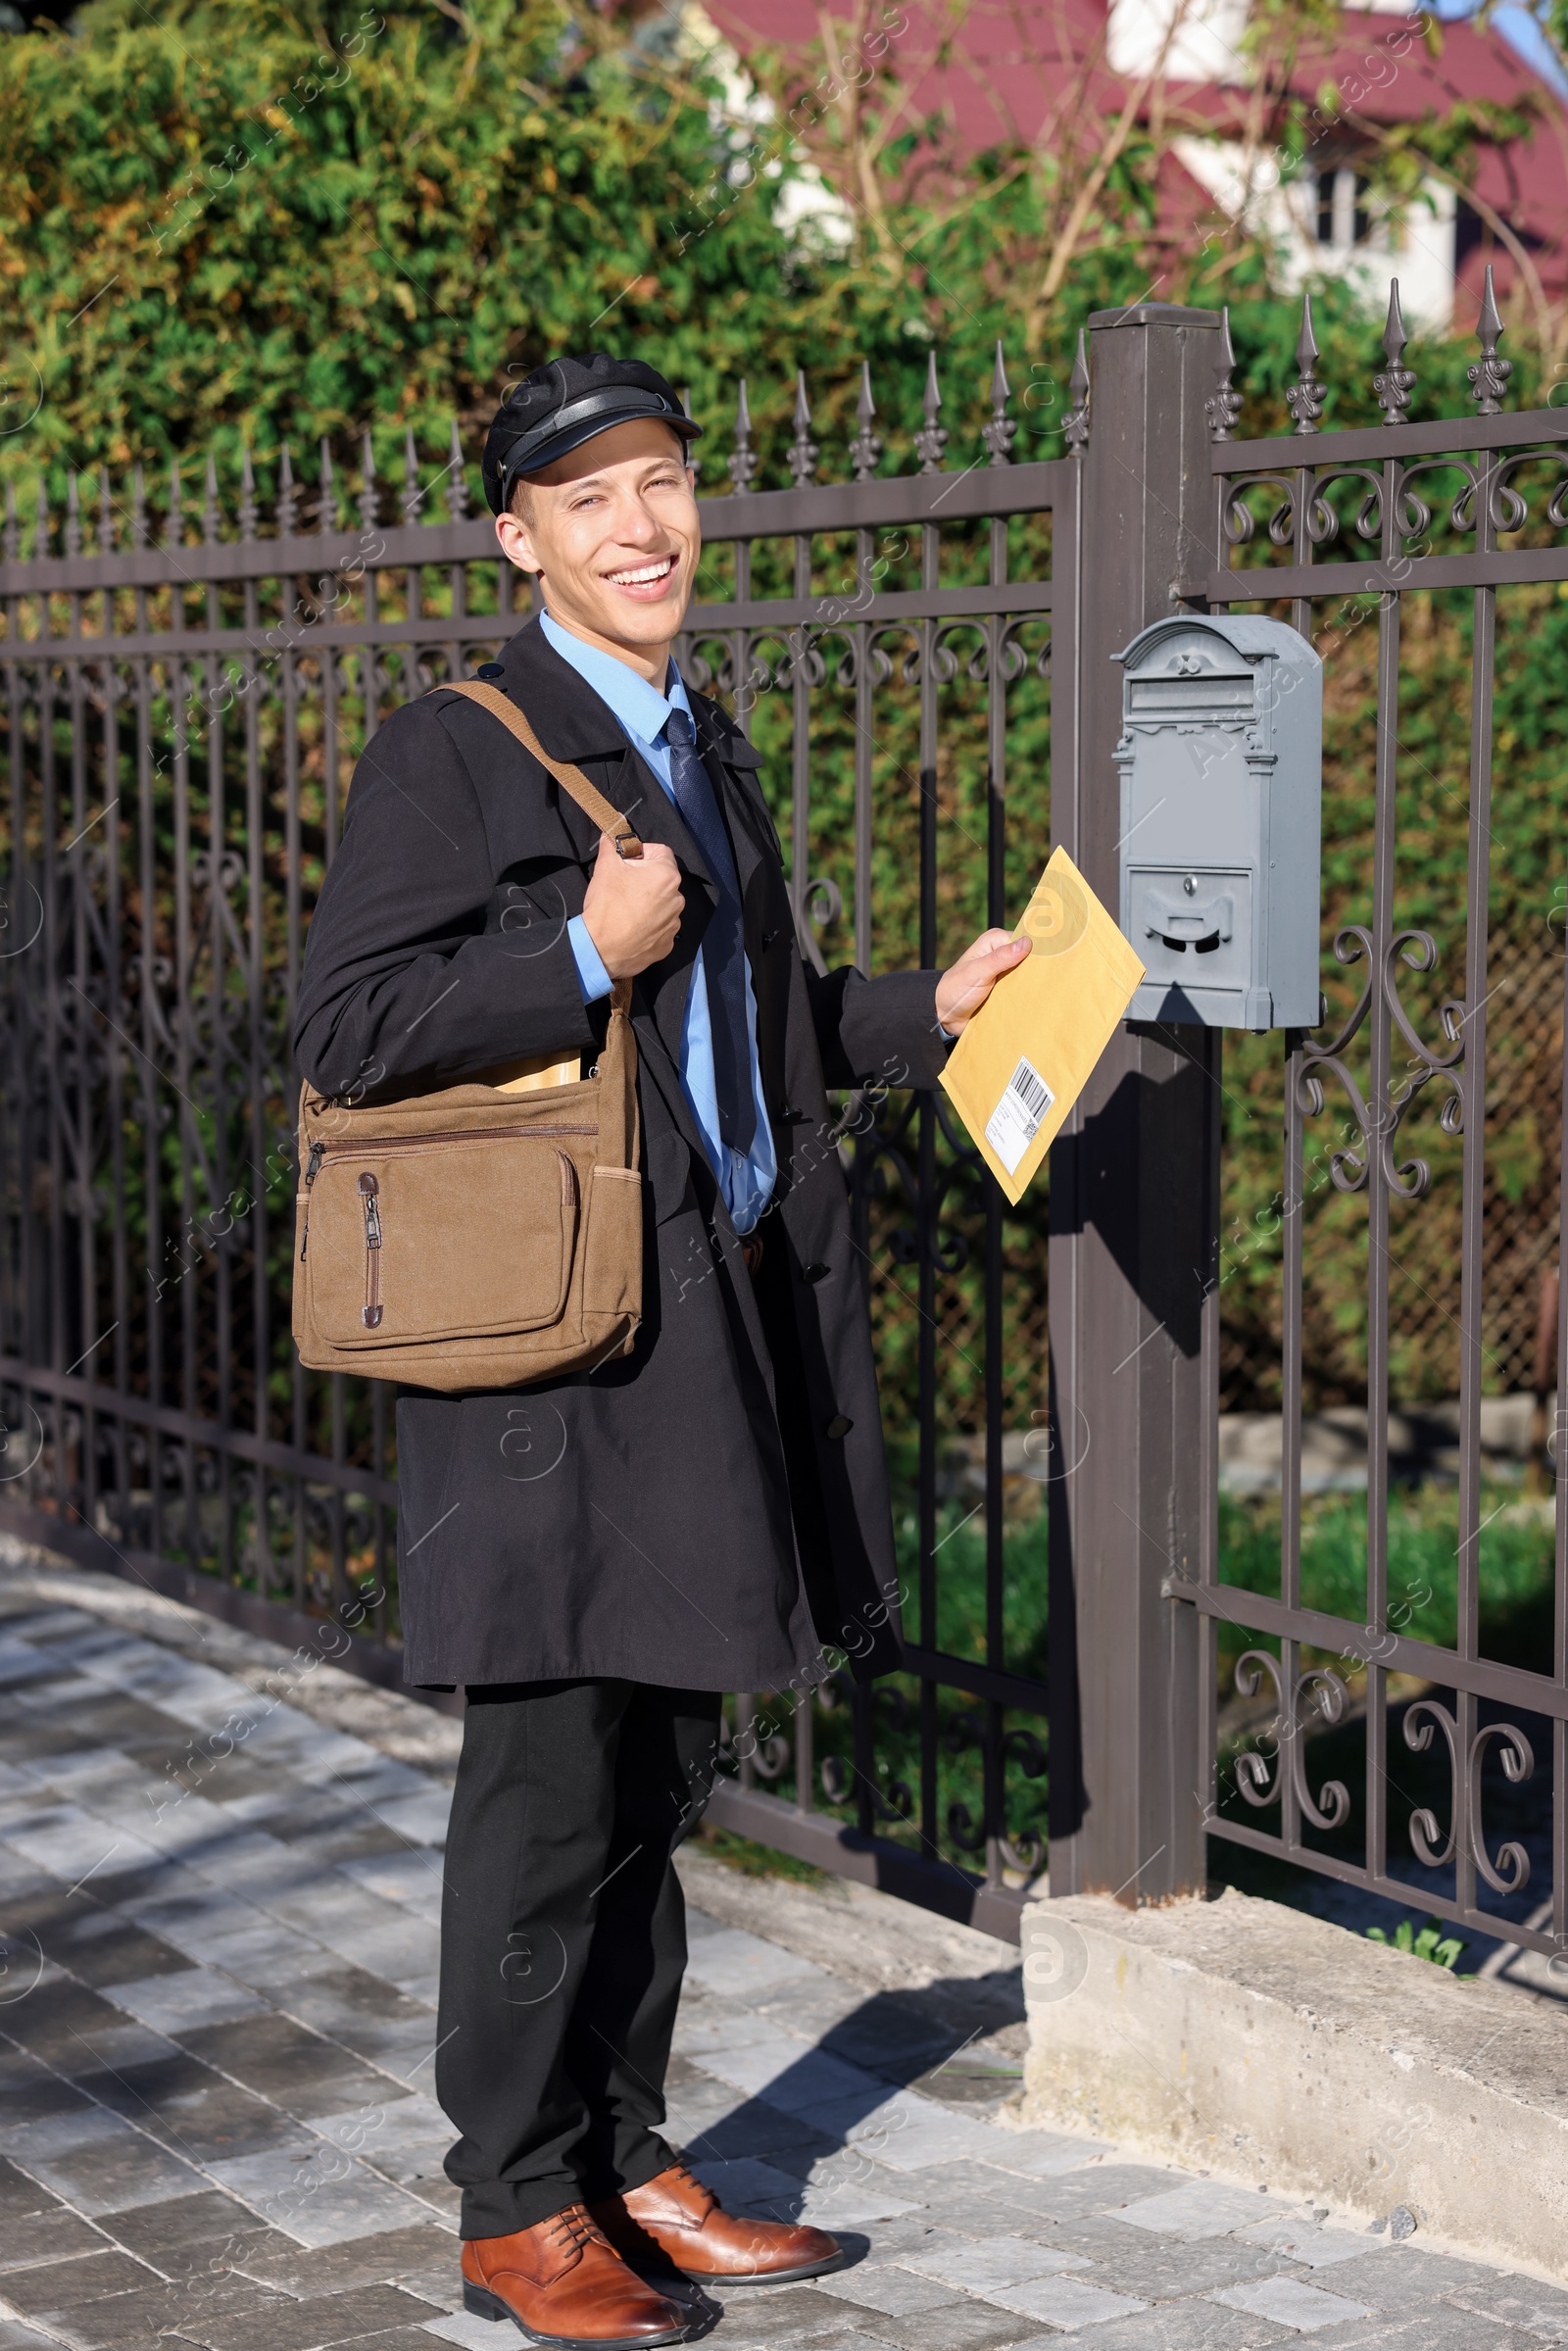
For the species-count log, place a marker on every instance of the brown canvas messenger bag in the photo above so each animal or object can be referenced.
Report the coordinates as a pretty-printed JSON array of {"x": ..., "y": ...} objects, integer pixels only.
[{"x": 489, "y": 1234}]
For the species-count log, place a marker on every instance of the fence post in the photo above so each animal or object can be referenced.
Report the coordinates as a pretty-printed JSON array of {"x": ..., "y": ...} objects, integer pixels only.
[{"x": 1134, "y": 1201}]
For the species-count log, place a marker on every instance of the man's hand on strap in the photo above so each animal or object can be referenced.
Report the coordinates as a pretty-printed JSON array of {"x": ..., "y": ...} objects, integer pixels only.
[{"x": 633, "y": 906}]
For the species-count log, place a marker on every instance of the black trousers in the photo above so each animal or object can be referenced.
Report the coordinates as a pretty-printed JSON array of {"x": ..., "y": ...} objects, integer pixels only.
[{"x": 563, "y": 1938}]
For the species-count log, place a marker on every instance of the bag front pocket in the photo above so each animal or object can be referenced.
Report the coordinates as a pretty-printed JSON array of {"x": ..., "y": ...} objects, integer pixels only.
[
  {"x": 613, "y": 1251},
  {"x": 423, "y": 1237}
]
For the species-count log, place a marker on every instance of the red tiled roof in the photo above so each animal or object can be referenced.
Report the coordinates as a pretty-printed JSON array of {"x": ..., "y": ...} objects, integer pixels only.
[
  {"x": 1386, "y": 74},
  {"x": 999, "y": 75}
]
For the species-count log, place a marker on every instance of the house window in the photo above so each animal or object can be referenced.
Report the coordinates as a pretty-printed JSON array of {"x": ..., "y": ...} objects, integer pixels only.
[{"x": 1341, "y": 218}]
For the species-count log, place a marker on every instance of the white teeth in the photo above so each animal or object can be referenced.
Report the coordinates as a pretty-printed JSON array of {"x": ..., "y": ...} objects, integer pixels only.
[{"x": 649, "y": 571}]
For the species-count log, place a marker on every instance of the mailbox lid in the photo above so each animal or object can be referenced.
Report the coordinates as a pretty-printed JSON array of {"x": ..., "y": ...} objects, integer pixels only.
[
  {"x": 1226, "y": 644},
  {"x": 1188, "y": 672},
  {"x": 1219, "y": 667}
]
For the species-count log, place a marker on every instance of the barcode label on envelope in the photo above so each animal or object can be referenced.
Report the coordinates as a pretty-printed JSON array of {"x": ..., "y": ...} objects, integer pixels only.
[{"x": 1016, "y": 1121}]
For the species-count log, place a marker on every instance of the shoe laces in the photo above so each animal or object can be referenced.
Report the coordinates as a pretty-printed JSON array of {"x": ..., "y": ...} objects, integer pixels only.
[
  {"x": 689, "y": 2179},
  {"x": 573, "y": 2228}
]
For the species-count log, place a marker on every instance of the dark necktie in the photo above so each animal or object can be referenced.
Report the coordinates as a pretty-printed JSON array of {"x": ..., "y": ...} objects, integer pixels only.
[{"x": 724, "y": 944}]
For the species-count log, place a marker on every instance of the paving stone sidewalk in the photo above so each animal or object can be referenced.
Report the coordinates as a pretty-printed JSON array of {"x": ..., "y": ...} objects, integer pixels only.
[{"x": 217, "y": 2025}]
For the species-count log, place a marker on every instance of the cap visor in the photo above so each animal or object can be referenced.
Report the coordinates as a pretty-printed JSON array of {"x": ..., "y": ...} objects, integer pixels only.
[{"x": 589, "y": 429}]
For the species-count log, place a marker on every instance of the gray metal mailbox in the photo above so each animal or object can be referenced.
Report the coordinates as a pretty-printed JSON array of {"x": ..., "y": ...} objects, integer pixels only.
[{"x": 1221, "y": 764}]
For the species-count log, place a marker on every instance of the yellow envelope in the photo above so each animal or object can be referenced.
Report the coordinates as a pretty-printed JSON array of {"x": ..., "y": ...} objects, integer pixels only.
[{"x": 1027, "y": 1054}]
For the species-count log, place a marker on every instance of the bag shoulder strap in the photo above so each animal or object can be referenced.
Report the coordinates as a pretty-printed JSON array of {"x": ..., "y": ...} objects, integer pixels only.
[
  {"x": 592, "y": 802},
  {"x": 571, "y": 781}
]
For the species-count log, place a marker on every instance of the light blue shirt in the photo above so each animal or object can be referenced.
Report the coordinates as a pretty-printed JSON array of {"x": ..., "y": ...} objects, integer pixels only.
[{"x": 746, "y": 1178}]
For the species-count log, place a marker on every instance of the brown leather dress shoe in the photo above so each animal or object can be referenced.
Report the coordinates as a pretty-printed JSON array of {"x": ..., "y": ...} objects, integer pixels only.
[
  {"x": 563, "y": 2282},
  {"x": 674, "y": 2218}
]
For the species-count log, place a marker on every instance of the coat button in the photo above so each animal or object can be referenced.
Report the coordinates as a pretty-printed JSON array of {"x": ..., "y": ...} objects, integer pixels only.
[
  {"x": 768, "y": 938},
  {"x": 815, "y": 1271},
  {"x": 791, "y": 1117},
  {"x": 838, "y": 1426},
  {"x": 489, "y": 669}
]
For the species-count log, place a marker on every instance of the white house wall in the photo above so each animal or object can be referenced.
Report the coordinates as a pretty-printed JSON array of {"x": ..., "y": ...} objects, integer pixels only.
[
  {"x": 1419, "y": 250},
  {"x": 1204, "y": 47}
]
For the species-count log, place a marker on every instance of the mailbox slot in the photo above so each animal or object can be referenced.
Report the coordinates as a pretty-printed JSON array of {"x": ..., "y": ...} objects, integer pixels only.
[
  {"x": 1200, "y": 922},
  {"x": 1184, "y": 694},
  {"x": 1191, "y": 936}
]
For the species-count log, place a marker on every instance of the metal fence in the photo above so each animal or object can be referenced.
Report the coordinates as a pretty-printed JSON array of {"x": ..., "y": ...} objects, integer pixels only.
[
  {"x": 1406, "y": 1066},
  {"x": 924, "y": 659},
  {"x": 185, "y": 693},
  {"x": 1403, "y": 1734}
]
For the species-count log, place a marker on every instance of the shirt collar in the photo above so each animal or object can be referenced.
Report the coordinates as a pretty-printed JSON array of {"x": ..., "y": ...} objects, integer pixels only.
[{"x": 640, "y": 708}]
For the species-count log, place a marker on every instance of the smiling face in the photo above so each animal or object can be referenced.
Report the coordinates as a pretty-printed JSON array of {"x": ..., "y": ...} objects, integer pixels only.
[{"x": 613, "y": 532}]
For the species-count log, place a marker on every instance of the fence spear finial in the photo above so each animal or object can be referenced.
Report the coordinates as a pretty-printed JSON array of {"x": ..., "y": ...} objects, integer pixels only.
[
  {"x": 1393, "y": 386},
  {"x": 412, "y": 496},
  {"x": 369, "y": 494},
  {"x": 1075, "y": 423},
  {"x": 327, "y": 509},
  {"x": 741, "y": 457},
  {"x": 1489, "y": 374},
  {"x": 804, "y": 451},
  {"x": 73, "y": 516},
  {"x": 13, "y": 538},
  {"x": 457, "y": 487},
  {"x": 174, "y": 520},
  {"x": 41, "y": 521},
  {"x": 865, "y": 448},
  {"x": 1223, "y": 406},
  {"x": 209, "y": 514},
  {"x": 1304, "y": 399},
  {"x": 106, "y": 514},
  {"x": 247, "y": 495},
  {"x": 932, "y": 438},
  {"x": 997, "y": 435},
  {"x": 138, "y": 507},
  {"x": 287, "y": 494}
]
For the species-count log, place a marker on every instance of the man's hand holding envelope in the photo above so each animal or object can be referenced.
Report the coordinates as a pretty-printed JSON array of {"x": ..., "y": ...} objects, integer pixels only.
[{"x": 1025, "y": 1058}]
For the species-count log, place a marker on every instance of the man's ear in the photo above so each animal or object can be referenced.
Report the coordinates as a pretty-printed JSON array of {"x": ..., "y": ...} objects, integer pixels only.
[{"x": 516, "y": 543}]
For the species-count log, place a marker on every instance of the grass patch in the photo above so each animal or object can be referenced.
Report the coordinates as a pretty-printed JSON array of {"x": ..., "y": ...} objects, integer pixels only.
[
  {"x": 1426, "y": 1942},
  {"x": 961, "y": 1571},
  {"x": 1516, "y": 1549},
  {"x": 753, "y": 1860}
]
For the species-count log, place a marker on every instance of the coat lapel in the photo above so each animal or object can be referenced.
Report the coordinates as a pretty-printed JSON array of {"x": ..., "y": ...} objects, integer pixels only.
[
  {"x": 573, "y": 723},
  {"x": 732, "y": 803},
  {"x": 732, "y": 766}
]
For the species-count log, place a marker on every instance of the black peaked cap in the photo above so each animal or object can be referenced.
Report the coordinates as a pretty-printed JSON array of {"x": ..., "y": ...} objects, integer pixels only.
[{"x": 566, "y": 402}]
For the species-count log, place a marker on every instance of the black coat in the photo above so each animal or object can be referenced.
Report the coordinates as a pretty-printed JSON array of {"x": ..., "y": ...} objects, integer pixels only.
[{"x": 711, "y": 1510}]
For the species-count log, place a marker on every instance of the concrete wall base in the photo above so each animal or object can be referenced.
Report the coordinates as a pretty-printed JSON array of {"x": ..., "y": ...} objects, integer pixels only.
[{"x": 1280, "y": 2050}]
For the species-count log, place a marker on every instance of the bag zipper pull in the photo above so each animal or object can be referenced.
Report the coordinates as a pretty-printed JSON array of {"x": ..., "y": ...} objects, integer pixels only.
[
  {"x": 371, "y": 1315},
  {"x": 312, "y": 1168}
]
